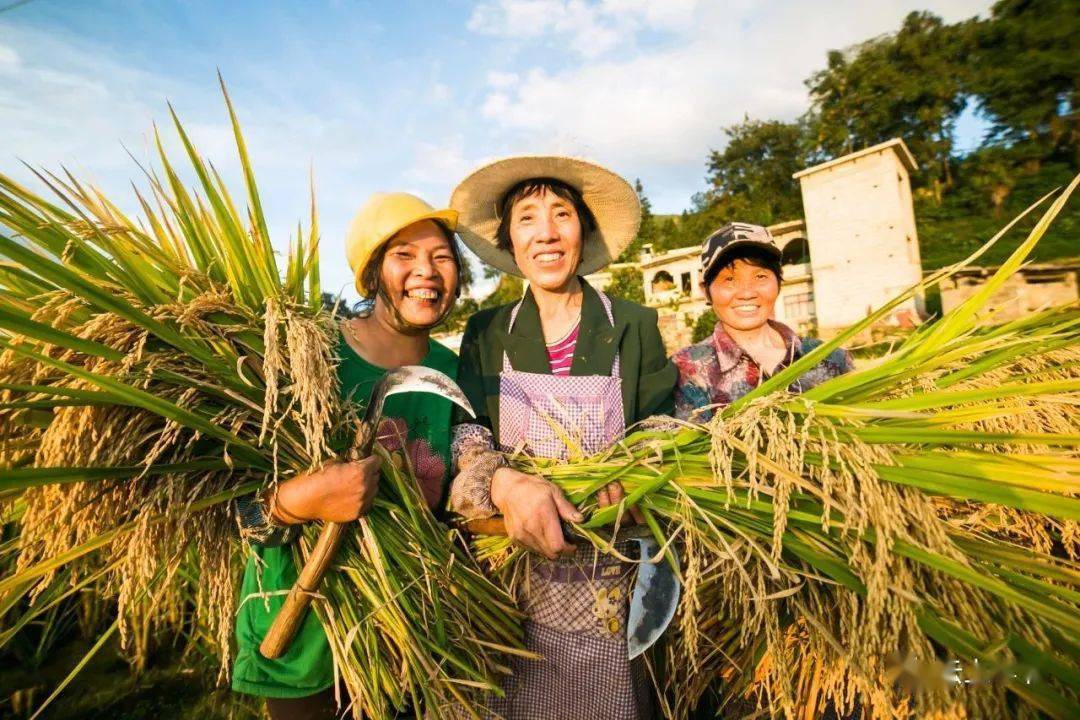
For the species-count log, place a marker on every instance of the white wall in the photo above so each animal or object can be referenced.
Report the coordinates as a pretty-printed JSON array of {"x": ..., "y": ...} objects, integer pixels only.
[{"x": 861, "y": 230}]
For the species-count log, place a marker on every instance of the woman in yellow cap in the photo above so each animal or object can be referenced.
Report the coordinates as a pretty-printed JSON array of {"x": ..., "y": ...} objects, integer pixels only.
[
  {"x": 404, "y": 259},
  {"x": 564, "y": 370}
]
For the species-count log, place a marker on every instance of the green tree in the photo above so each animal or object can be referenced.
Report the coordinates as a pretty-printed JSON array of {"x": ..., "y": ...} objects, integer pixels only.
[
  {"x": 704, "y": 326},
  {"x": 694, "y": 225},
  {"x": 337, "y": 304},
  {"x": 750, "y": 179},
  {"x": 992, "y": 174},
  {"x": 507, "y": 290},
  {"x": 647, "y": 231},
  {"x": 1026, "y": 73},
  {"x": 465, "y": 269},
  {"x": 463, "y": 310},
  {"x": 647, "y": 228},
  {"x": 626, "y": 283},
  {"x": 908, "y": 85}
]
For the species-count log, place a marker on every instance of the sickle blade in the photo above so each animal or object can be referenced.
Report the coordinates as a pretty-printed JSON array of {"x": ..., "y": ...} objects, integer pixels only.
[
  {"x": 653, "y": 602},
  {"x": 415, "y": 378}
]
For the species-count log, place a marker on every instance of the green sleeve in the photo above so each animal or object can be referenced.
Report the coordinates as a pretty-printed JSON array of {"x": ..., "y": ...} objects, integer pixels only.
[
  {"x": 470, "y": 377},
  {"x": 656, "y": 384}
]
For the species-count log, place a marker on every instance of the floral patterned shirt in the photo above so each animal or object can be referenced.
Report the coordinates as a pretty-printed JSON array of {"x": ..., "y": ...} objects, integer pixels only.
[{"x": 717, "y": 371}]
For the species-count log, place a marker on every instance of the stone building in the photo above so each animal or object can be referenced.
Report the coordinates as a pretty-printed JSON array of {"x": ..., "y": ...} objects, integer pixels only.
[
  {"x": 1030, "y": 289},
  {"x": 860, "y": 225}
]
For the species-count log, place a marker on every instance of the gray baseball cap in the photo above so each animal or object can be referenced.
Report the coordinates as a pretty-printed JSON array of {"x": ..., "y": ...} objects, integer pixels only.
[{"x": 729, "y": 237}]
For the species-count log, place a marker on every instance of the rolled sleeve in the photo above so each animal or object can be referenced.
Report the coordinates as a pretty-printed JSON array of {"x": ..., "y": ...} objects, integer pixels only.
[{"x": 475, "y": 462}]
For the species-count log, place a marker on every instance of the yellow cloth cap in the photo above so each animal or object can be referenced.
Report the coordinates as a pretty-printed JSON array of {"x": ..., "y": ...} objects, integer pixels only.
[{"x": 383, "y": 216}]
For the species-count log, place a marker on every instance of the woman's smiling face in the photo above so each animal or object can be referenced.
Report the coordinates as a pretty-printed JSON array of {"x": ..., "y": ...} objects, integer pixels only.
[
  {"x": 545, "y": 234},
  {"x": 419, "y": 274},
  {"x": 743, "y": 295}
]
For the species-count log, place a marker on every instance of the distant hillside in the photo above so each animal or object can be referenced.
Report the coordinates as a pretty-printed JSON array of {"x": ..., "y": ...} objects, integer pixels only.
[{"x": 961, "y": 224}]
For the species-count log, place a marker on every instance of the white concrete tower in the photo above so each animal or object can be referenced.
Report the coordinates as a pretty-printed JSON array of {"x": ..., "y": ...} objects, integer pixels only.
[{"x": 860, "y": 227}]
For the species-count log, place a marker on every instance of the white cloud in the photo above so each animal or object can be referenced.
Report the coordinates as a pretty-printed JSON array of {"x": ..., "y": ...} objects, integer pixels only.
[
  {"x": 9, "y": 59},
  {"x": 434, "y": 161},
  {"x": 501, "y": 80},
  {"x": 440, "y": 93},
  {"x": 644, "y": 86},
  {"x": 649, "y": 105},
  {"x": 517, "y": 18},
  {"x": 591, "y": 29},
  {"x": 667, "y": 15},
  {"x": 49, "y": 109},
  {"x": 67, "y": 102}
]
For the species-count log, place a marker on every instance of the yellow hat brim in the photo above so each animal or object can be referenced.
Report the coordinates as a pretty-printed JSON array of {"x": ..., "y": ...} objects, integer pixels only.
[{"x": 362, "y": 244}]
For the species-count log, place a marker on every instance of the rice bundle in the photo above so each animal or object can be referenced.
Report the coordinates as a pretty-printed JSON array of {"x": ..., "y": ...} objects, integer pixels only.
[
  {"x": 151, "y": 372},
  {"x": 902, "y": 538}
]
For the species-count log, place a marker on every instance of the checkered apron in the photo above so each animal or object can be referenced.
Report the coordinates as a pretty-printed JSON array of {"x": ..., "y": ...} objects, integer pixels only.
[{"x": 577, "y": 606}]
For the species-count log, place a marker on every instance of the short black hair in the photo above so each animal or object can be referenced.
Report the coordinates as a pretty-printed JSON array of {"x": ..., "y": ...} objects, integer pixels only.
[
  {"x": 756, "y": 256},
  {"x": 369, "y": 279},
  {"x": 534, "y": 186}
]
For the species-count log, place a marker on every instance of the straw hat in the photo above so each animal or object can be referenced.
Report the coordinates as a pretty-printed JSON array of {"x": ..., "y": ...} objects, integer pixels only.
[
  {"x": 612, "y": 200},
  {"x": 383, "y": 216}
]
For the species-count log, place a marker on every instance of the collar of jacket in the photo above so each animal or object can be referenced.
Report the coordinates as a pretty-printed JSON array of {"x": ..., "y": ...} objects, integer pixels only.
[
  {"x": 729, "y": 353},
  {"x": 597, "y": 343}
]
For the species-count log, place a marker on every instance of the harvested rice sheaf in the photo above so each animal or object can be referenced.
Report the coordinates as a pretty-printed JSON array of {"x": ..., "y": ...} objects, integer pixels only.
[{"x": 150, "y": 373}]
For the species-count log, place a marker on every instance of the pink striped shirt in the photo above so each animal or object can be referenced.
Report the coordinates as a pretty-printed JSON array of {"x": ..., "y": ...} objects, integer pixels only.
[{"x": 561, "y": 352}]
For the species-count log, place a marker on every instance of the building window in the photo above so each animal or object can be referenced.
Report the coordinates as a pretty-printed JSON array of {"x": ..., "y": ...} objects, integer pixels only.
[
  {"x": 799, "y": 306},
  {"x": 686, "y": 280},
  {"x": 662, "y": 281},
  {"x": 795, "y": 252}
]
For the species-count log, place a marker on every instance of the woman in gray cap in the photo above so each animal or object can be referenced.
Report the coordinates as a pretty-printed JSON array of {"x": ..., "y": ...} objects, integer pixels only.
[{"x": 741, "y": 277}]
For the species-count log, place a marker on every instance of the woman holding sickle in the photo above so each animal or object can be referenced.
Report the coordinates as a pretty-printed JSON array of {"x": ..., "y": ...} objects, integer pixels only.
[
  {"x": 564, "y": 370},
  {"x": 404, "y": 259}
]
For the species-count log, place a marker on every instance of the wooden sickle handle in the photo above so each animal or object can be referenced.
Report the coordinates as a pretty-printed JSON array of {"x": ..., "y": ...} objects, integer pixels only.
[
  {"x": 487, "y": 526},
  {"x": 288, "y": 619}
]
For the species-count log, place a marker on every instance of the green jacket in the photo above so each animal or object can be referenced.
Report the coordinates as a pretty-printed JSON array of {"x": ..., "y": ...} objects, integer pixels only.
[{"x": 648, "y": 377}]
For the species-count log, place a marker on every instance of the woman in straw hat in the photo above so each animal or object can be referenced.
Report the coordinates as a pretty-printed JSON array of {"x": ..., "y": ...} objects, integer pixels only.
[
  {"x": 404, "y": 259},
  {"x": 561, "y": 372}
]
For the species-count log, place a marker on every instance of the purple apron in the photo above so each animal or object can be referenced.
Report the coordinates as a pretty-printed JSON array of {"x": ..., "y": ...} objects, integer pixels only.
[{"x": 576, "y": 607}]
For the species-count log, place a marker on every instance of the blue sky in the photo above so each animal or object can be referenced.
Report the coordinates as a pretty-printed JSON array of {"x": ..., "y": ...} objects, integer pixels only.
[{"x": 411, "y": 95}]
